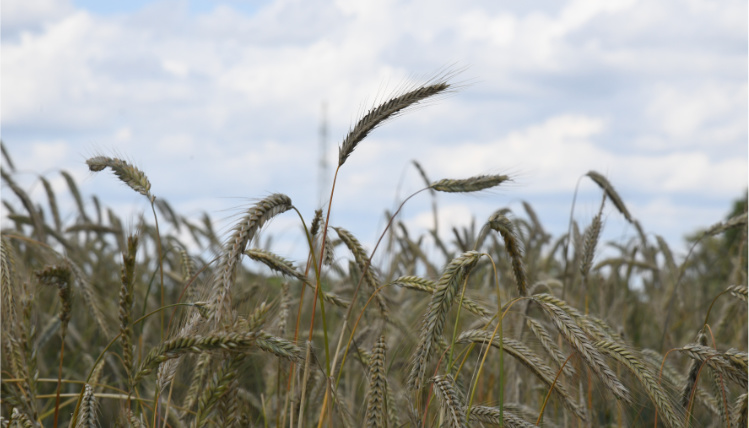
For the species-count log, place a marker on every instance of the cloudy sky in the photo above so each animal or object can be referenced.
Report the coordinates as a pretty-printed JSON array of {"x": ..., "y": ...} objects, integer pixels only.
[{"x": 220, "y": 102}]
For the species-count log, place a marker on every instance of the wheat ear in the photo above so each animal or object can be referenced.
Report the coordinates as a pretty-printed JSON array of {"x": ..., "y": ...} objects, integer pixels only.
[
  {"x": 126, "y": 301},
  {"x": 604, "y": 184},
  {"x": 240, "y": 342},
  {"x": 490, "y": 415},
  {"x": 732, "y": 364},
  {"x": 88, "y": 413},
  {"x": 19, "y": 419},
  {"x": 52, "y": 203},
  {"x": 738, "y": 291},
  {"x": 647, "y": 378},
  {"x": 452, "y": 403},
  {"x": 391, "y": 108},
  {"x": 434, "y": 320},
  {"x": 286, "y": 267},
  {"x": 467, "y": 185},
  {"x": 530, "y": 360},
  {"x": 592, "y": 234},
  {"x": 244, "y": 231},
  {"x": 582, "y": 344},
  {"x": 36, "y": 220},
  {"x": 427, "y": 285},
  {"x": 376, "y": 408},
  {"x": 362, "y": 261},
  {"x": 736, "y": 221},
  {"x": 127, "y": 173},
  {"x": 7, "y": 288},
  {"x": 549, "y": 346},
  {"x": 506, "y": 229},
  {"x": 216, "y": 388},
  {"x": 90, "y": 297},
  {"x": 740, "y": 411}
]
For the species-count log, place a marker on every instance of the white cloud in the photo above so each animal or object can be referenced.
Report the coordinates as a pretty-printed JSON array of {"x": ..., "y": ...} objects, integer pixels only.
[
  {"x": 31, "y": 15},
  {"x": 123, "y": 134},
  {"x": 47, "y": 155},
  {"x": 686, "y": 112},
  {"x": 176, "y": 68},
  {"x": 653, "y": 94},
  {"x": 554, "y": 153}
]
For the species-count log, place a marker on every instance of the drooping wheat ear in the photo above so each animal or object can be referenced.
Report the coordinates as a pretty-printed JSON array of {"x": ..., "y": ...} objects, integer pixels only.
[
  {"x": 583, "y": 321},
  {"x": 87, "y": 418},
  {"x": 344, "y": 413},
  {"x": 286, "y": 267},
  {"x": 76, "y": 194},
  {"x": 591, "y": 240},
  {"x": 490, "y": 415},
  {"x": 217, "y": 387},
  {"x": 694, "y": 370},
  {"x": 604, "y": 184},
  {"x": 506, "y": 229},
  {"x": 450, "y": 399},
  {"x": 198, "y": 381},
  {"x": 538, "y": 228},
  {"x": 600, "y": 328},
  {"x": 673, "y": 377},
  {"x": 736, "y": 221},
  {"x": 584, "y": 347},
  {"x": 60, "y": 277},
  {"x": 276, "y": 263},
  {"x": 473, "y": 184},
  {"x": 718, "y": 387},
  {"x": 52, "y": 203},
  {"x": 434, "y": 320},
  {"x": 530, "y": 360},
  {"x": 738, "y": 291},
  {"x": 36, "y": 221},
  {"x": 667, "y": 255},
  {"x": 391, "y": 108},
  {"x": 740, "y": 411},
  {"x": 244, "y": 231},
  {"x": 126, "y": 301},
  {"x": 647, "y": 377},
  {"x": 549, "y": 346},
  {"x": 362, "y": 261},
  {"x": 427, "y": 285},
  {"x": 316, "y": 222},
  {"x": 278, "y": 346},
  {"x": 127, "y": 173},
  {"x": 376, "y": 401},
  {"x": 179, "y": 346},
  {"x": 92, "y": 299},
  {"x": 732, "y": 364}
]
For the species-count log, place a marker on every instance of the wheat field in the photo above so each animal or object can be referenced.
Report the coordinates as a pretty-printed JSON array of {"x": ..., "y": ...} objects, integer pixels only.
[{"x": 109, "y": 324}]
